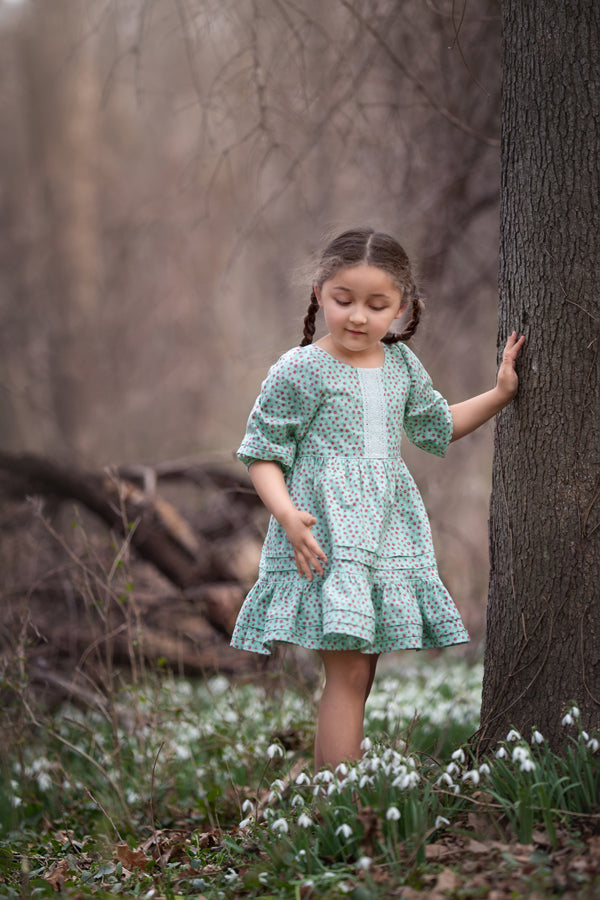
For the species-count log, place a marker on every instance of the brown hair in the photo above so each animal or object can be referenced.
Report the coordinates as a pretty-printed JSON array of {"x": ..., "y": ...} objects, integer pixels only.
[{"x": 365, "y": 245}]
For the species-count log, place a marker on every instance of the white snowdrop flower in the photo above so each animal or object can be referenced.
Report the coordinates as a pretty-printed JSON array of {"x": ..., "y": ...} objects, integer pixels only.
[
  {"x": 248, "y": 806},
  {"x": 501, "y": 753},
  {"x": 231, "y": 876},
  {"x": 444, "y": 779},
  {"x": 585, "y": 736},
  {"x": 364, "y": 863},
  {"x": 441, "y": 820},
  {"x": 244, "y": 823},
  {"x": 297, "y": 800},
  {"x": 331, "y": 789},
  {"x": 537, "y": 737},
  {"x": 513, "y": 735},
  {"x": 44, "y": 781},
  {"x": 393, "y": 814},
  {"x": 484, "y": 769},
  {"x": 304, "y": 821},
  {"x": 407, "y": 782},
  {"x": 472, "y": 775},
  {"x": 366, "y": 744},
  {"x": 309, "y": 883},
  {"x": 342, "y": 769},
  {"x": 326, "y": 775},
  {"x": 574, "y": 712},
  {"x": 365, "y": 780},
  {"x": 593, "y": 745},
  {"x": 263, "y": 877},
  {"x": 302, "y": 778},
  {"x": 300, "y": 854},
  {"x": 150, "y": 894},
  {"x": 527, "y": 765},
  {"x": 519, "y": 754},
  {"x": 459, "y": 755},
  {"x": 452, "y": 769},
  {"x": 352, "y": 776},
  {"x": 567, "y": 719},
  {"x": 274, "y": 750},
  {"x": 344, "y": 830},
  {"x": 280, "y": 825}
]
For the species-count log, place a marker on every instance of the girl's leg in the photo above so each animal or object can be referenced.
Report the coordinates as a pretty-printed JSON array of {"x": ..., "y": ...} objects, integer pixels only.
[{"x": 348, "y": 678}]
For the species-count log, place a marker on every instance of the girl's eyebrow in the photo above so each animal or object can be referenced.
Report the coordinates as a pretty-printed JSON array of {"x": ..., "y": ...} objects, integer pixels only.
[{"x": 341, "y": 287}]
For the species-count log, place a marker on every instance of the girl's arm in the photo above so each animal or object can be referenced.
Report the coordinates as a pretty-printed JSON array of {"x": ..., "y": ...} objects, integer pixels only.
[
  {"x": 267, "y": 478},
  {"x": 470, "y": 414}
]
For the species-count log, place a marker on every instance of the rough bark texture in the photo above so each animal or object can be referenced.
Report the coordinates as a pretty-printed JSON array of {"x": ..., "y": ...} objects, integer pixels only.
[{"x": 543, "y": 629}]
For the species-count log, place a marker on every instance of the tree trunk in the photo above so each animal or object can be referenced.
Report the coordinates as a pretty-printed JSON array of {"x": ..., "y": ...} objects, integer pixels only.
[
  {"x": 543, "y": 629},
  {"x": 62, "y": 97}
]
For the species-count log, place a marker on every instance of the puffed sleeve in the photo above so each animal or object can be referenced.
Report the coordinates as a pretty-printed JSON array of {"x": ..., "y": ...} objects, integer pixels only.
[
  {"x": 282, "y": 413},
  {"x": 427, "y": 418}
]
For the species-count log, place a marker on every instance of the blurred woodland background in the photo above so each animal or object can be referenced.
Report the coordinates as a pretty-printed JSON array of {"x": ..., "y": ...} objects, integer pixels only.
[{"x": 170, "y": 170}]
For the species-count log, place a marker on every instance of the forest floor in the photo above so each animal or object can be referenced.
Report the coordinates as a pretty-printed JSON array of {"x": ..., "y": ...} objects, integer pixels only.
[{"x": 204, "y": 789}]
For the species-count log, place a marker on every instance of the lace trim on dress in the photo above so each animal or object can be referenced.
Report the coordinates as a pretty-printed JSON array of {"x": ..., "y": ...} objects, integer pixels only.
[{"x": 374, "y": 413}]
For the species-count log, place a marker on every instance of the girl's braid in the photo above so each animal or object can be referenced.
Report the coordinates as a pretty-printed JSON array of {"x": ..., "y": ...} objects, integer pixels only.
[{"x": 309, "y": 320}]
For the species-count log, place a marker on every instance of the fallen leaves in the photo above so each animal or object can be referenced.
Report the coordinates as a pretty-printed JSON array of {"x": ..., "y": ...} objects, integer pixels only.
[
  {"x": 131, "y": 859},
  {"x": 500, "y": 870},
  {"x": 57, "y": 874}
]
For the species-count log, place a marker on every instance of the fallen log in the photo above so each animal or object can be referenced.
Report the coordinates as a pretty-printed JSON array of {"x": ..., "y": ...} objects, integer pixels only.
[
  {"x": 59, "y": 610},
  {"x": 155, "y": 529}
]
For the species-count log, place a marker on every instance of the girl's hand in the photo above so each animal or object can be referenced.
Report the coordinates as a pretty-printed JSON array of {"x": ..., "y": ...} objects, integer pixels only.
[
  {"x": 307, "y": 553},
  {"x": 470, "y": 414},
  {"x": 507, "y": 380}
]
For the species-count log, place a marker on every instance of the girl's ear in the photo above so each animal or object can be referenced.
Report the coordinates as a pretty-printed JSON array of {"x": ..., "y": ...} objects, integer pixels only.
[
  {"x": 402, "y": 310},
  {"x": 317, "y": 294}
]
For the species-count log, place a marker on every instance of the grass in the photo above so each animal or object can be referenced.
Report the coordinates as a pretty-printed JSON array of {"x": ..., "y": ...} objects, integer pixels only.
[{"x": 205, "y": 789}]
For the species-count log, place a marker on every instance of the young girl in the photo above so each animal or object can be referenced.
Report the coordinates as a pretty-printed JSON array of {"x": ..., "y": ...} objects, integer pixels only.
[{"x": 348, "y": 566}]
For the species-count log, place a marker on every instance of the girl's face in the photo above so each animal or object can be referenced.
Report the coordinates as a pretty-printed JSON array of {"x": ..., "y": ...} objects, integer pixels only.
[{"x": 360, "y": 304}]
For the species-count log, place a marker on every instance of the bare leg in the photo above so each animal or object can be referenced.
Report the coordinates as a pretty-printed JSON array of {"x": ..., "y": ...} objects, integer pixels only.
[
  {"x": 348, "y": 679},
  {"x": 373, "y": 666}
]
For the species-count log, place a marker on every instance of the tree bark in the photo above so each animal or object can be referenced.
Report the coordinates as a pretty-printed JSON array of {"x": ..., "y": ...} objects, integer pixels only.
[{"x": 543, "y": 626}]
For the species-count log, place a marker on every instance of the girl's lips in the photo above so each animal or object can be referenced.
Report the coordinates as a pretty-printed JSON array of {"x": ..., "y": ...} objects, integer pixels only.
[{"x": 353, "y": 331}]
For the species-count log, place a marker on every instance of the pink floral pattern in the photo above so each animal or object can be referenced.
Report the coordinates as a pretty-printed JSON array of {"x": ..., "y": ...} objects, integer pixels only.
[{"x": 381, "y": 590}]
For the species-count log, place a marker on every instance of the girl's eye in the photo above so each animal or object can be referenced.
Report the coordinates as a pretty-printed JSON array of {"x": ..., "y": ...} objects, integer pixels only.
[{"x": 341, "y": 302}]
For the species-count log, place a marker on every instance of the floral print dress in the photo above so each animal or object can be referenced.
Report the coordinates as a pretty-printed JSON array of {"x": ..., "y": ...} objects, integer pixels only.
[{"x": 336, "y": 431}]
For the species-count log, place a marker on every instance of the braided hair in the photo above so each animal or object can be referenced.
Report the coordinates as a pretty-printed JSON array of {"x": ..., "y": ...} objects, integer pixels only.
[{"x": 374, "y": 248}]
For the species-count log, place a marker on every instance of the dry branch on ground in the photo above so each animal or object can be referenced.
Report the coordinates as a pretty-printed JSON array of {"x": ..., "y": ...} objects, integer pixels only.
[{"x": 137, "y": 565}]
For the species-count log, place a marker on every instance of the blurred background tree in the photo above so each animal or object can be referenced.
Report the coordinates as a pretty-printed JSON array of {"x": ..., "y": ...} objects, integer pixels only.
[{"x": 170, "y": 168}]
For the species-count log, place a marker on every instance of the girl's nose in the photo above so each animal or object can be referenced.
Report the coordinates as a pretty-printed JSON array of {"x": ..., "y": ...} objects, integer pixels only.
[{"x": 358, "y": 315}]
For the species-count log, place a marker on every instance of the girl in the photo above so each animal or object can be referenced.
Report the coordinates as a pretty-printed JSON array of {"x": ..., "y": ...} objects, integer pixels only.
[{"x": 348, "y": 566}]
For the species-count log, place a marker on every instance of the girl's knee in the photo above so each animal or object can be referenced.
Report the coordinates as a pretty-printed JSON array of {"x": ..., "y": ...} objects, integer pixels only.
[{"x": 353, "y": 670}]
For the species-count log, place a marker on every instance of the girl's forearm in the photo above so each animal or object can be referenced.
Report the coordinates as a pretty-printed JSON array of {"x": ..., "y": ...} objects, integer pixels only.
[
  {"x": 269, "y": 483},
  {"x": 470, "y": 414}
]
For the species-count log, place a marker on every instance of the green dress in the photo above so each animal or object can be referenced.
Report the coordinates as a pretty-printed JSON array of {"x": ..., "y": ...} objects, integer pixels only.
[{"x": 336, "y": 432}]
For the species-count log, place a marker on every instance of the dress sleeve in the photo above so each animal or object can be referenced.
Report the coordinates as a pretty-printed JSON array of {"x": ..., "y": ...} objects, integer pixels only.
[
  {"x": 427, "y": 418},
  {"x": 281, "y": 414}
]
